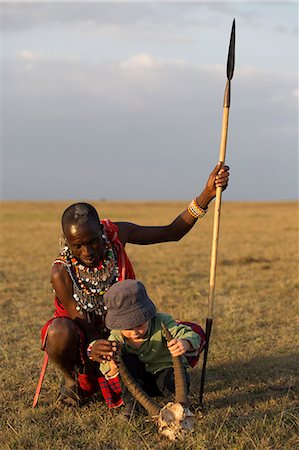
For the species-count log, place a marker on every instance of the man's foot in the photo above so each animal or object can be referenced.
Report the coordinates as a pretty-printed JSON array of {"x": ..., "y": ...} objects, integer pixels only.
[{"x": 68, "y": 396}]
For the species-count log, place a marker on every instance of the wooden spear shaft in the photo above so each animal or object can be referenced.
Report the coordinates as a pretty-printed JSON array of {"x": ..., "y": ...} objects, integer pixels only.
[{"x": 217, "y": 212}]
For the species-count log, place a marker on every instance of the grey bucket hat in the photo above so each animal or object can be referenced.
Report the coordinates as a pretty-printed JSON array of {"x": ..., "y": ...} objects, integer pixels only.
[{"x": 128, "y": 305}]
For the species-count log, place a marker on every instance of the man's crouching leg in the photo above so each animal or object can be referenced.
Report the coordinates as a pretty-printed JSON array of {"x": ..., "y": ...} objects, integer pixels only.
[{"x": 63, "y": 348}]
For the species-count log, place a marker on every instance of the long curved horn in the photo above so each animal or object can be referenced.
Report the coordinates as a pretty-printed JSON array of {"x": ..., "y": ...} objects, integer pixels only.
[
  {"x": 181, "y": 393},
  {"x": 138, "y": 393}
]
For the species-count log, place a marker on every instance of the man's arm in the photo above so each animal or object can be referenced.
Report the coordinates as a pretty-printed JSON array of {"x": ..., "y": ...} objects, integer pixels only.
[{"x": 137, "y": 234}]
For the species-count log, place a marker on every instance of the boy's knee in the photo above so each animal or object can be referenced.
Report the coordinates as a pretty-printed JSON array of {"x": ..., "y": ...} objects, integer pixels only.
[{"x": 166, "y": 382}]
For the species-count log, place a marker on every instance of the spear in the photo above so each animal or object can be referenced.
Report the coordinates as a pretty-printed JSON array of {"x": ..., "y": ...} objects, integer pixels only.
[{"x": 226, "y": 104}]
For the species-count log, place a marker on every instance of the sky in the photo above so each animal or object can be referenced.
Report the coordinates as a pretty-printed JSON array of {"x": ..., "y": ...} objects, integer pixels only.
[{"x": 124, "y": 101}]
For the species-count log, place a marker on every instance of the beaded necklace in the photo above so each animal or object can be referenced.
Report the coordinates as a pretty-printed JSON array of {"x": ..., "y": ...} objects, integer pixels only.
[{"x": 91, "y": 283}]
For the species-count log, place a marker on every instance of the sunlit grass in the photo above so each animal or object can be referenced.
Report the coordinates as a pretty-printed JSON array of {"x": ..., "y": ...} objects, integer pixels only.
[{"x": 251, "y": 378}]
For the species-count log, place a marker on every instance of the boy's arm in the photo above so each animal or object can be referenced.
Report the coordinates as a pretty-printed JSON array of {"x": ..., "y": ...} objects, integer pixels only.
[
  {"x": 179, "y": 347},
  {"x": 109, "y": 368},
  {"x": 185, "y": 340}
]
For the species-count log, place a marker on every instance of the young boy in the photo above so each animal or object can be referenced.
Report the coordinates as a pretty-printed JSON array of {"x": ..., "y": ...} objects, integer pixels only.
[{"x": 136, "y": 328}]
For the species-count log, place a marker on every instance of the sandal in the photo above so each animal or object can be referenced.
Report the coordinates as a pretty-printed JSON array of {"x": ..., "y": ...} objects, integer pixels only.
[{"x": 68, "y": 397}]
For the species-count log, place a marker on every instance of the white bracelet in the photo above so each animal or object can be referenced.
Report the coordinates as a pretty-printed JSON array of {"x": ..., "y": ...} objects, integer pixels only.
[
  {"x": 195, "y": 210},
  {"x": 112, "y": 376}
]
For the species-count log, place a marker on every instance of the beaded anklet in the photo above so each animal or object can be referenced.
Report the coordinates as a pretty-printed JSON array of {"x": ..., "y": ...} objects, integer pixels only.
[{"x": 195, "y": 210}]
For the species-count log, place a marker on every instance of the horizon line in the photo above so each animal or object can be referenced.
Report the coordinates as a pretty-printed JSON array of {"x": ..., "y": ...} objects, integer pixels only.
[{"x": 104, "y": 200}]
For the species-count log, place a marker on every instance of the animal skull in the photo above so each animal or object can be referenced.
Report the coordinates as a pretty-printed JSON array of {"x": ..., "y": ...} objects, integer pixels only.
[{"x": 175, "y": 418}]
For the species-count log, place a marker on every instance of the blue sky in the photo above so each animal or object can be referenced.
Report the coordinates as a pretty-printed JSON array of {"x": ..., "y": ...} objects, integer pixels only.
[{"x": 124, "y": 100}]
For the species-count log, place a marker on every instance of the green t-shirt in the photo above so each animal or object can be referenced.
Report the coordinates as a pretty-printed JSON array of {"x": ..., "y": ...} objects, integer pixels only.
[{"x": 153, "y": 352}]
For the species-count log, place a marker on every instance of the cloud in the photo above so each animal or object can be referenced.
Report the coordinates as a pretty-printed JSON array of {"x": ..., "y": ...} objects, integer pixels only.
[
  {"x": 285, "y": 30},
  {"x": 121, "y": 97},
  {"x": 152, "y": 118},
  {"x": 109, "y": 80},
  {"x": 142, "y": 60},
  {"x": 134, "y": 22},
  {"x": 109, "y": 17},
  {"x": 28, "y": 55},
  {"x": 23, "y": 16},
  {"x": 146, "y": 61}
]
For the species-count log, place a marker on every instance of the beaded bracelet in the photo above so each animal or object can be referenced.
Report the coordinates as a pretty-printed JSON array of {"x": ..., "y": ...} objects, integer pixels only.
[
  {"x": 88, "y": 351},
  {"x": 112, "y": 376},
  {"x": 195, "y": 210}
]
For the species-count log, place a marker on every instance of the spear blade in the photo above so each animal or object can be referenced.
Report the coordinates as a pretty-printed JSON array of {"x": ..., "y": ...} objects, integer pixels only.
[
  {"x": 231, "y": 53},
  {"x": 230, "y": 65}
]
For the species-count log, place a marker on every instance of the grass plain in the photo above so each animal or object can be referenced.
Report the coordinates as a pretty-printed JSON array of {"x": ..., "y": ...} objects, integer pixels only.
[{"x": 250, "y": 394}]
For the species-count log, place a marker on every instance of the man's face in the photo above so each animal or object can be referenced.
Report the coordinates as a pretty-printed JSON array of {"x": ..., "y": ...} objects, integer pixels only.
[{"x": 86, "y": 242}]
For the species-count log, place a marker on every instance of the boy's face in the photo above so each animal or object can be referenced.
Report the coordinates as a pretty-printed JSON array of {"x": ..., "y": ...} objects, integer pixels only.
[{"x": 136, "y": 333}]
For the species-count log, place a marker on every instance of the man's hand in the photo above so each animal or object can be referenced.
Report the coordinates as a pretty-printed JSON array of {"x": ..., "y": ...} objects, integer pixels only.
[
  {"x": 179, "y": 347},
  {"x": 218, "y": 178},
  {"x": 103, "y": 350}
]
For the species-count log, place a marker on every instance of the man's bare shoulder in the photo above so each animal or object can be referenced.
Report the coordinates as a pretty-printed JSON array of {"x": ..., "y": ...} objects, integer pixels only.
[{"x": 58, "y": 273}]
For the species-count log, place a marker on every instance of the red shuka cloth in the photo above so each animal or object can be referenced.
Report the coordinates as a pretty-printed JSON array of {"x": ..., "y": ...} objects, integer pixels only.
[{"x": 89, "y": 384}]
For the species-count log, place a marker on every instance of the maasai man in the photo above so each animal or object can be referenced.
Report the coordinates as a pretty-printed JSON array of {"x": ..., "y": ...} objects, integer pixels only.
[{"x": 92, "y": 260}]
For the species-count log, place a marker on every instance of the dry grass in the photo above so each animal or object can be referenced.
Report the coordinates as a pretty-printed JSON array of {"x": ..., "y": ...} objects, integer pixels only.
[{"x": 250, "y": 390}]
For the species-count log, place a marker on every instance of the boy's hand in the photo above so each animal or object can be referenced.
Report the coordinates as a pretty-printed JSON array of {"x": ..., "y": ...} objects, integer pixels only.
[
  {"x": 179, "y": 347},
  {"x": 113, "y": 368}
]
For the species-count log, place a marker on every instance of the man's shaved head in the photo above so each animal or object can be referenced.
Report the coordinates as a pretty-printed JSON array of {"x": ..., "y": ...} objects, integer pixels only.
[{"x": 79, "y": 214}]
